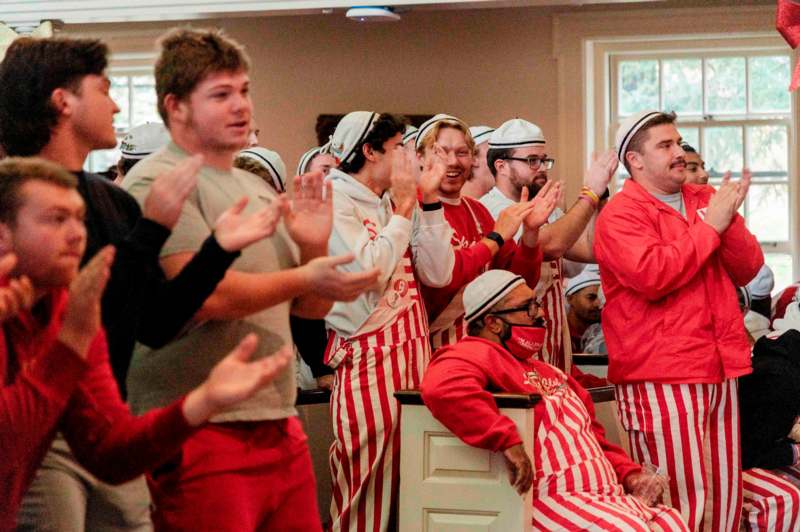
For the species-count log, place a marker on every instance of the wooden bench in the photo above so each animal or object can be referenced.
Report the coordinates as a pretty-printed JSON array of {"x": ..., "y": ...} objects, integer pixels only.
[{"x": 449, "y": 486}]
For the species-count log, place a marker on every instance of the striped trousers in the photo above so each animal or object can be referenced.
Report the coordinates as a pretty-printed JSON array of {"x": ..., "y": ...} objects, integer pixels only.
[
  {"x": 691, "y": 433},
  {"x": 771, "y": 502},
  {"x": 365, "y": 455},
  {"x": 595, "y": 512}
]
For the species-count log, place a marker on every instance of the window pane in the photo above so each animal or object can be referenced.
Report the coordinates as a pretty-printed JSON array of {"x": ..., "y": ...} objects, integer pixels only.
[
  {"x": 769, "y": 81},
  {"x": 768, "y": 151},
  {"x": 144, "y": 100},
  {"x": 691, "y": 136},
  {"x": 683, "y": 86},
  {"x": 638, "y": 86},
  {"x": 768, "y": 212},
  {"x": 725, "y": 82},
  {"x": 781, "y": 265},
  {"x": 722, "y": 150},
  {"x": 119, "y": 93},
  {"x": 101, "y": 160}
]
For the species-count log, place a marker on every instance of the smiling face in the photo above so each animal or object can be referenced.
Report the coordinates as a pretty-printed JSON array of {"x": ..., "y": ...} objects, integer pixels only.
[
  {"x": 696, "y": 169},
  {"x": 458, "y": 157},
  {"x": 48, "y": 234}
]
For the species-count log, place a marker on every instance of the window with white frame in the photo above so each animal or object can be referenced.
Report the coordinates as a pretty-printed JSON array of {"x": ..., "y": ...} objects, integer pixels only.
[
  {"x": 133, "y": 89},
  {"x": 733, "y": 107}
]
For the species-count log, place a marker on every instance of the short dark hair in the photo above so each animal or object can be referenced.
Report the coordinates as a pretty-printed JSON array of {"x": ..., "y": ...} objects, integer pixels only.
[
  {"x": 31, "y": 71},
  {"x": 189, "y": 56},
  {"x": 688, "y": 147},
  {"x": 386, "y": 126},
  {"x": 124, "y": 165},
  {"x": 494, "y": 154},
  {"x": 641, "y": 136},
  {"x": 16, "y": 171}
]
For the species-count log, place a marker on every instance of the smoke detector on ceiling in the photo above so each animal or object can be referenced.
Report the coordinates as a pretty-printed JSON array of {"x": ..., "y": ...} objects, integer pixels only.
[{"x": 372, "y": 14}]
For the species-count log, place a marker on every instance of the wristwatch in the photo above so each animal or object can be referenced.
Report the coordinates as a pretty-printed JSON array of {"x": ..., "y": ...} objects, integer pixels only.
[{"x": 495, "y": 237}]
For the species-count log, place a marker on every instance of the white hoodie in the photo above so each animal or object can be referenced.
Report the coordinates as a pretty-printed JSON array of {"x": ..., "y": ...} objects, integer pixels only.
[{"x": 427, "y": 232}]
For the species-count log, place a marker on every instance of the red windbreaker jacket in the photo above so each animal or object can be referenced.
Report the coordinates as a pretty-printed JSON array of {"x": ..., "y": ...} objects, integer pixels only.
[{"x": 671, "y": 313}]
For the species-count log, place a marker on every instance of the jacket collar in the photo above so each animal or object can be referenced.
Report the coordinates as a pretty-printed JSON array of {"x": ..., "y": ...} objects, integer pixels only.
[{"x": 691, "y": 198}]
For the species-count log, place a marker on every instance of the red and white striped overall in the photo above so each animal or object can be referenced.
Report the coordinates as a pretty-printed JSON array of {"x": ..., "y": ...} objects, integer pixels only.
[
  {"x": 575, "y": 486},
  {"x": 449, "y": 326},
  {"x": 389, "y": 352},
  {"x": 557, "y": 350},
  {"x": 691, "y": 432}
]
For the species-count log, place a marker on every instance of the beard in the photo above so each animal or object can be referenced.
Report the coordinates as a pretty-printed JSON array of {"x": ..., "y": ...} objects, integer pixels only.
[{"x": 533, "y": 189}]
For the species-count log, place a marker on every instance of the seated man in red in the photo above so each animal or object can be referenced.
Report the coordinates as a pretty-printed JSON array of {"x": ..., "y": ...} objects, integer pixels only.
[
  {"x": 580, "y": 480},
  {"x": 54, "y": 369}
]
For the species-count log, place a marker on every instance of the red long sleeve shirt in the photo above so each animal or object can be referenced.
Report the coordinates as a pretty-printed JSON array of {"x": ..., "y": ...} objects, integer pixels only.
[
  {"x": 474, "y": 257},
  {"x": 457, "y": 389},
  {"x": 48, "y": 387}
]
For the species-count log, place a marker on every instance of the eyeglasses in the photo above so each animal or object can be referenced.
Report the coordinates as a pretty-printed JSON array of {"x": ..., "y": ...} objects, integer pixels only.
[
  {"x": 531, "y": 307},
  {"x": 535, "y": 163}
]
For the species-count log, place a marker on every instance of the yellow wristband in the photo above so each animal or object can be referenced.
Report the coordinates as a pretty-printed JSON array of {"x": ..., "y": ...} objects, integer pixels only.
[{"x": 589, "y": 192}]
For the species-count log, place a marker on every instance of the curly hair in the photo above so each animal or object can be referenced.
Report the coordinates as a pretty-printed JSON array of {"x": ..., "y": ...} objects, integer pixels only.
[
  {"x": 31, "y": 71},
  {"x": 188, "y": 56}
]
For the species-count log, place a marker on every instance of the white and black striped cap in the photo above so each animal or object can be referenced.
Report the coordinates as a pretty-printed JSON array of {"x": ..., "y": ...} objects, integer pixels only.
[
  {"x": 270, "y": 160},
  {"x": 427, "y": 126},
  {"x": 486, "y": 290},
  {"x": 307, "y": 157},
  {"x": 350, "y": 133},
  {"x": 517, "y": 133},
  {"x": 409, "y": 134},
  {"x": 590, "y": 276},
  {"x": 628, "y": 128},
  {"x": 481, "y": 134}
]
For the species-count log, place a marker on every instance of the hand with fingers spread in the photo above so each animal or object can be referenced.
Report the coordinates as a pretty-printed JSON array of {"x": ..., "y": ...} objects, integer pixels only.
[
  {"x": 169, "y": 190},
  {"x": 235, "y": 231},
  {"x": 333, "y": 284},
  {"x": 601, "y": 171},
  {"x": 82, "y": 316},
  {"x": 545, "y": 202},
  {"x": 234, "y": 379},
  {"x": 309, "y": 215},
  {"x": 520, "y": 471},
  {"x": 433, "y": 171},
  {"x": 404, "y": 185},
  {"x": 512, "y": 217},
  {"x": 18, "y": 294}
]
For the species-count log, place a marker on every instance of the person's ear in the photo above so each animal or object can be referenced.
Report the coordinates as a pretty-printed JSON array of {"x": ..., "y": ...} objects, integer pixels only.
[
  {"x": 635, "y": 159},
  {"x": 63, "y": 101},
  {"x": 494, "y": 325},
  {"x": 176, "y": 108},
  {"x": 499, "y": 164}
]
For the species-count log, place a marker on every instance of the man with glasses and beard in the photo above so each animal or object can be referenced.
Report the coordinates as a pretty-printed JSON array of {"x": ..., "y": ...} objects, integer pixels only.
[{"x": 518, "y": 159}]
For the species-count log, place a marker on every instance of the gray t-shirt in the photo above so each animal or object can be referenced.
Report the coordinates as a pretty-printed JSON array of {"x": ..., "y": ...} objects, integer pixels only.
[
  {"x": 159, "y": 376},
  {"x": 673, "y": 200}
]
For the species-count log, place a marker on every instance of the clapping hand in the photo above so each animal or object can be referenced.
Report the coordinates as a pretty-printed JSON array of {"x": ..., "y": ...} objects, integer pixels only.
[
  {"x": 309, "y": 215},
  {"x": 18, "y": 294},
  {"x": 234, "y": 231}
]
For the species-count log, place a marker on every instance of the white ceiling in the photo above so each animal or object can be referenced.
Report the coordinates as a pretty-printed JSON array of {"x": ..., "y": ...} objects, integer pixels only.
[{"x": 31, "y": 12}]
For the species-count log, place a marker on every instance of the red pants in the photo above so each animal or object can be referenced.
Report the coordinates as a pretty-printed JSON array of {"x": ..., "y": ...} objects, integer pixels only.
[{"x": 241, "y": 477}]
